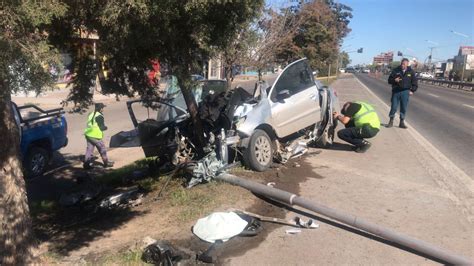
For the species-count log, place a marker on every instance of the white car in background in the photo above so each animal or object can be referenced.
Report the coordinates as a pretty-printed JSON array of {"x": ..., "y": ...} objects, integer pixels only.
[{"x": 426, "y": 75}]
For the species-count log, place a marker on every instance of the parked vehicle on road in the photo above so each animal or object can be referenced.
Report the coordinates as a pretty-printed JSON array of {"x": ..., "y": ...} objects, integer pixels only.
[
  {"x": 426, "y": 75},
  {"x": 42, "y": 132},
  {"x": 350, "y": 70}
]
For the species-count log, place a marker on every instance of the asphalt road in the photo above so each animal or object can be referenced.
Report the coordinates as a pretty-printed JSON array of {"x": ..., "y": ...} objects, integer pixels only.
[{"x": 443, "y": 116}]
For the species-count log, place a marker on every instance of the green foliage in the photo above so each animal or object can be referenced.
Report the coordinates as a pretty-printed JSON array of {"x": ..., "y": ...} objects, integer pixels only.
[
  {"x": 131, "y": 33},
  {"x": 25, "y": 53},
  {"x": 321, "y": 27},
  {"x": 344, "y": 59}
]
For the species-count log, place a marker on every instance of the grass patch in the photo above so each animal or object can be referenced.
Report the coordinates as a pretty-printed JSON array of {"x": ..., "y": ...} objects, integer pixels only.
[
  {"x": 49, "y": 258},
  {"x": 328, "y": 82},
  {"x": 151, "y": 183},
  {"x": 43, "y": 207},
  {"x": 193, "y": 203},
  {"x": 127, "y": 257},
  {"x": 117, "y": 176}
]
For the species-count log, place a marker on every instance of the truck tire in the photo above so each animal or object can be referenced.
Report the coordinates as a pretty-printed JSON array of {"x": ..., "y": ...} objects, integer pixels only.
[
  {"x": 36, "y": 162},
  {"x": 258, "y": 156}
]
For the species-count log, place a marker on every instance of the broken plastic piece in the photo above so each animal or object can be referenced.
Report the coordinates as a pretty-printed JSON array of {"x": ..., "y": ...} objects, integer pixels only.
[
  {"x": 306, "y": 224},
  {"x": 293, "y": 231}
]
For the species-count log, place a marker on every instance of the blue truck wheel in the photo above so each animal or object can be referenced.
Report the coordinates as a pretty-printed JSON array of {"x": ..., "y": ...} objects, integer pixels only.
[{"x": 36, "y": 162}]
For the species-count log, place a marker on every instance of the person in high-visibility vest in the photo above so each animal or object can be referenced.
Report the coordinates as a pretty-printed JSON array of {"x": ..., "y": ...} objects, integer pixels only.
[
  {"x": 94, "y": 134},
  {"x": 361, "y": 121}
]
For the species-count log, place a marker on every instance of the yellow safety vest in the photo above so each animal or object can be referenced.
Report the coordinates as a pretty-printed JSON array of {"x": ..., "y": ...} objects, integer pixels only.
[
  {"x": 93, "y": 130},
  {"x": 366, "y": 115}
]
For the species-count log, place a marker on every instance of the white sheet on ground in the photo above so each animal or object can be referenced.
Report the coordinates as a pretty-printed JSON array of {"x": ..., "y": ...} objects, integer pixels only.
[{"x": 219, "y": 226}]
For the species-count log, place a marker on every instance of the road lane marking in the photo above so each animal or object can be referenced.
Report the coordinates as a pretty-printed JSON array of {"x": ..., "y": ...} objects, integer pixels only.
[
  {"x": 434, "y": 95},
  {"x": 467, "y": 105}
]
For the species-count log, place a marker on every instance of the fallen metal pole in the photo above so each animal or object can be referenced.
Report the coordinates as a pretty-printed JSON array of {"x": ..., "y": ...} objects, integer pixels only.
[{"x": 385, "y": 233}]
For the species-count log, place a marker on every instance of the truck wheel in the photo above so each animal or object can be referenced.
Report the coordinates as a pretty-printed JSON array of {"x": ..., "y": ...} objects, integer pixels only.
[
  {"x": 36, "y": 162},
  {"x": 258, "y": 155}
]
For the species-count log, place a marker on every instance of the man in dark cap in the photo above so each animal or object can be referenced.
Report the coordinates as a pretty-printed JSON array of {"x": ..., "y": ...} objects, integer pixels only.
[{"x": 94, "y": 137}]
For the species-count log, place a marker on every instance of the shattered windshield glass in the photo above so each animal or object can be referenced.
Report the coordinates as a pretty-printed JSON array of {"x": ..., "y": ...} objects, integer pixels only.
[{"x": 200, "y": 91}]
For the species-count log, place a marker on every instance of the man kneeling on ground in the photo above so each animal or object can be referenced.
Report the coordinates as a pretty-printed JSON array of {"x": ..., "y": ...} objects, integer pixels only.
[{"x": 361, "y": 121}]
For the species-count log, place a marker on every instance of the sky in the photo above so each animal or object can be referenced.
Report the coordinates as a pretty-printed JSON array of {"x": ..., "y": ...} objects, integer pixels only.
[{"x": 409, "y": 26}]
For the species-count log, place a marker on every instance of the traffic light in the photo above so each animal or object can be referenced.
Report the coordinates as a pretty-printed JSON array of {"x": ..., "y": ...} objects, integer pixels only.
[
  {"x": 360, "y": 50},
  {"x": 400, "y": 53}
]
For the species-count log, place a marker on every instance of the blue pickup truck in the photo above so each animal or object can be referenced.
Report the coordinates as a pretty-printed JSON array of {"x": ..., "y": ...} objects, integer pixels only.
[{"x": 41, "y": 132}]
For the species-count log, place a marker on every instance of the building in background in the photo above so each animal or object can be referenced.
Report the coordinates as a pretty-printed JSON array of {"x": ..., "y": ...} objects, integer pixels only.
[
  {"x": 383, "y": 59},
  {"x": 464, "y": 63}
]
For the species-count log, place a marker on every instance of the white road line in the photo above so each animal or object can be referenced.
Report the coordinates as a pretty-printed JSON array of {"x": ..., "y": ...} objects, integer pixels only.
[
  {"x": 467, "y": 105},
  {"x": 434, "y": 95}
]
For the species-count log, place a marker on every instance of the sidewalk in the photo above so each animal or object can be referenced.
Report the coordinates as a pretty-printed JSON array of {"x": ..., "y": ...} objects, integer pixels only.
[
  {"x": 402, "y": 183},
  {"x": 53, "y": 98}
]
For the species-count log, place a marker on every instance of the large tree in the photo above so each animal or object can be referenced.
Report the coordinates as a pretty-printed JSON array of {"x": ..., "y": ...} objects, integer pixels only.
[
  {"x": 181, "y": 34},
  {"x": 322, "y": 24},
  {"x": 274, "y": 31},
  {"x": 130, "y": 34},
  {"x": 25, "y": 55}
]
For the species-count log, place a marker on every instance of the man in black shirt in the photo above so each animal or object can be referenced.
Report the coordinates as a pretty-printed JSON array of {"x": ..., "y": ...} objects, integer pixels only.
[
  {"x": 361, "y": 122},
  {"x": 404, "y": 84}
]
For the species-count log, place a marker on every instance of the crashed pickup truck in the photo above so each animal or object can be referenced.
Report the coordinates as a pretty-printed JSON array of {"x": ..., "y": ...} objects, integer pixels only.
[{"x": 256, "y": 127}]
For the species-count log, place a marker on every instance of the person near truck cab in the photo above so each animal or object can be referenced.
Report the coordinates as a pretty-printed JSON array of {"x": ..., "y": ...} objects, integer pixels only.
[
  {"x": 94, "y": 133},
  {"x": 404, "y": 84},
  {"x": 361, "y": 122}
]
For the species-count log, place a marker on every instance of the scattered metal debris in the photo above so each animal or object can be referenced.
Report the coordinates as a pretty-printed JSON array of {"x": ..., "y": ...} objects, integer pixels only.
[
  {"x": 128, "y": 197},
  {"x": 205, "y": 169}
]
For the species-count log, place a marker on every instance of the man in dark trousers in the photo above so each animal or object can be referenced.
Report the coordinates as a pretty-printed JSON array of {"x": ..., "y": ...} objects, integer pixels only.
[
  {"x": 361, "y": 122},
  {"x": 94, "y": 135},
  {"x": 404, "y": 83}
]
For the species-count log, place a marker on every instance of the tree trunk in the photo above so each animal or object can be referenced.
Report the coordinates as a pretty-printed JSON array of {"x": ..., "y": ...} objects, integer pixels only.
[
  {"x": 16, "y": 240},
  {"x": 185, "y": 85},
  {"x": 228, "y": 76}
]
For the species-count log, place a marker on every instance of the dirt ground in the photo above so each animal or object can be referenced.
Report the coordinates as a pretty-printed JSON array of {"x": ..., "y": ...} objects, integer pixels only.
[{"x": 75, "y": 235}]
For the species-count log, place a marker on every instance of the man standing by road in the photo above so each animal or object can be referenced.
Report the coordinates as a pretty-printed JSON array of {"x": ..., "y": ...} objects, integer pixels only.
[
  {"x": 361, "y": 122},
  {"x": 94, "y": 135},
  {"x": 404, "y": 83}
]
